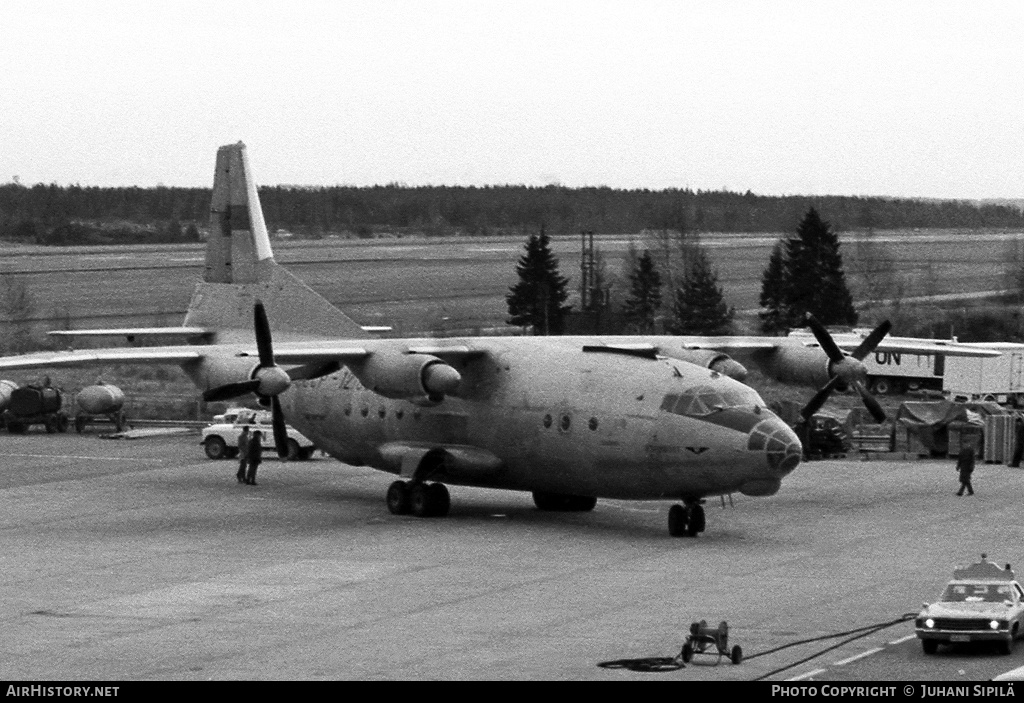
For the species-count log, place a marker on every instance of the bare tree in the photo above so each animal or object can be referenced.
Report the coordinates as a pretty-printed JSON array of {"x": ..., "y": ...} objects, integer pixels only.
[{"x": 19, "y": 309}]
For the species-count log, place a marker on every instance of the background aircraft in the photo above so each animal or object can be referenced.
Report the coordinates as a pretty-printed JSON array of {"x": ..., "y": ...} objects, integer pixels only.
[{"x": 570, "y": 419}]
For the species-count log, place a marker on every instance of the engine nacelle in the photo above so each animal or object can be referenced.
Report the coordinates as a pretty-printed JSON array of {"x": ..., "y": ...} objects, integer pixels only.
[
  {"x": 807, "y": 366},
  {"x": 710, "y": 359},
  {"x": 100, "y": 399},
  {"x": 397, "y": 375},
  {"x": 217, "y": 372}
]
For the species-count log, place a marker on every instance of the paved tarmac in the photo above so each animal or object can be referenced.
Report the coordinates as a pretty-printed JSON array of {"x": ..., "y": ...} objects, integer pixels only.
[{"x": 139, "y": 560}]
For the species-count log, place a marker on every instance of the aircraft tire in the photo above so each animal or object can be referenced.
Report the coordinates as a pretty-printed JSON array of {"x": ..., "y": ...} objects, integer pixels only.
[
  {"x": 678, "y": 521},
  {"x": 697, "y": 520},
  {"x": 398, "y": 498},
  {"x": 563, "y": 502},
  {"x": 583, "y": 504},
  {"x": 419, "y": 500},
  {"x": 438, "y": 499}
]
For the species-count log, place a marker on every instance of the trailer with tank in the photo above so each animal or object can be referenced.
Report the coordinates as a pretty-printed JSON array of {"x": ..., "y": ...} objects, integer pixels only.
[
  {"x": 35, "y": 405},
  {"x": 102, "y": 402}
]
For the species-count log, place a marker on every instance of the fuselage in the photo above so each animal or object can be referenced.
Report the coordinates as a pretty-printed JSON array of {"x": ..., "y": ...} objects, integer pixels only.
[{"x": 562, "y": 420}]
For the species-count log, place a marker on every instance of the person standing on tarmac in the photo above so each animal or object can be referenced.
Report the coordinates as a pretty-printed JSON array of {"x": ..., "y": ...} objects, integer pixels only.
[
  {"x": 1018, "y": 443},
  {"x": 243, "y": 454},
  {"x": 965, "y": 465},
  {"x": 255, "y": 457}
]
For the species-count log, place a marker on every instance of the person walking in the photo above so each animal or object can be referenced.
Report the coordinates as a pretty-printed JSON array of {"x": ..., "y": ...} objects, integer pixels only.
[
  {"x": 1018, "y": 441},
  {"x": 243, "y": 454},
  {"x": 255, "y": 457},
  {"x": 965, "y": 465}
]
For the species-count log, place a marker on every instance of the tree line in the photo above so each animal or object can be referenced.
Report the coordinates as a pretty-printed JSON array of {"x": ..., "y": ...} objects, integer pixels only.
[
  {"x": 42, "y": 213},
  {"x": 804, "y": 275}
]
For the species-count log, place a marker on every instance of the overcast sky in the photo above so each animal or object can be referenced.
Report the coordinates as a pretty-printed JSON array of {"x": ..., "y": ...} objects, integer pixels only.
[{"x": 900, "y": 98}]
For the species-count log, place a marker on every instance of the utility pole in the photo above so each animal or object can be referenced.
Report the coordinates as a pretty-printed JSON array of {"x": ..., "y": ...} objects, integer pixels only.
[{"x": 593, "y": 300}]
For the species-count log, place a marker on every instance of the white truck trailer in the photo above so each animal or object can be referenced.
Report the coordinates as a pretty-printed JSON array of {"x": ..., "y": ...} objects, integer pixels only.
[{"x": 999, "y": 378}]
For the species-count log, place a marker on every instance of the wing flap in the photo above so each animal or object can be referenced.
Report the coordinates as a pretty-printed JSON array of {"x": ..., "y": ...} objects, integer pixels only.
[{"x": 86, "y": 357}]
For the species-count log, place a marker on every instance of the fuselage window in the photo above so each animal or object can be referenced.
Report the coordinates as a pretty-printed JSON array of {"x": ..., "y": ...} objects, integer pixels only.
[
  {"x": 364, "y": 412},
  {"x": 566, "y": 421},
  {"x": 547, "y": 421},
  {"x": 382, "y": 412},
  {"x": 593, "y": 423},
  {"x": 399, "y": 413}
]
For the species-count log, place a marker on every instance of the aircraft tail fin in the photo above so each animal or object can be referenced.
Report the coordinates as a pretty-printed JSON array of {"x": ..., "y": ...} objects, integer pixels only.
[{"x": 240, "y": 268}]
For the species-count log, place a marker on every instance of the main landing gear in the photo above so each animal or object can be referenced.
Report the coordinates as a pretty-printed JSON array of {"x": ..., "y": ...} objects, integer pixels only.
[
  {"x": 418, "y": 498},
  {"x": 686, "y": 520}
]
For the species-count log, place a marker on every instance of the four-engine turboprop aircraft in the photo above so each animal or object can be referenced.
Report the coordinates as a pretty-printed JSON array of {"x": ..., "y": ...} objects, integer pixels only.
[{"x": 570, "y": 419}]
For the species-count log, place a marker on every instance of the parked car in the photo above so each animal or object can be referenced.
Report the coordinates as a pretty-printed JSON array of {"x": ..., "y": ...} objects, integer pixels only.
[
  {"x": 983, "y": 603},
  {"x": 220, "y": 440}
]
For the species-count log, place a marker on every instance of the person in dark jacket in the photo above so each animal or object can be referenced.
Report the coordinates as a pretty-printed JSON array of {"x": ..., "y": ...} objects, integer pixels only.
[
  {"x": 255, "y": 457},
  {"x": 1018, "y": 441},
  {"x": 243, "y": 454},
  {"x": 965, "y": 465}
]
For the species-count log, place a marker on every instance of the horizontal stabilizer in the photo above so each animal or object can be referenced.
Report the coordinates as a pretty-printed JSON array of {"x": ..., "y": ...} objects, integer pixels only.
[{"x": 131, "y": 332}]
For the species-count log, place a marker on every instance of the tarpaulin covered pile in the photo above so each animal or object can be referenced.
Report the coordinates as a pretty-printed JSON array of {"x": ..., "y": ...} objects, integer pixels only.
[{"x": 932, "y": 424}]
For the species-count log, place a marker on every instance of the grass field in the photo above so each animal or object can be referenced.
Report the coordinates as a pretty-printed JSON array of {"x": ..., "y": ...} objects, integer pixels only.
[{"x": 423, "y": 287}]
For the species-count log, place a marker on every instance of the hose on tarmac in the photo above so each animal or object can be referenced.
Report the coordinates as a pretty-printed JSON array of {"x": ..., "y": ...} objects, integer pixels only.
[{"x": 663, "y": 664}]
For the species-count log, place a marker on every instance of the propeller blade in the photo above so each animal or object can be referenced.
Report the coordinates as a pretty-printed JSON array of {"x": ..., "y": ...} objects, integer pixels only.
[
  {"x": 263, "y": 341},
  {"x": 871, "y": 341},
  {"x": 815, "y": 403},
  {"x": 230, "y": 390},
  {"x": 280, "y": 431},
  {"x": 828, "y": 345},
  {"x": 873, "y": 406}
]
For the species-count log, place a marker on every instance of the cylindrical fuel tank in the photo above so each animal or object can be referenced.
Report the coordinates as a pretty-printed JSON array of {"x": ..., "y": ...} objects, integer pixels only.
[
  {"x": 100, "y": 399},
  {"x": 33, "y": 400},
  {"x": 6, "y": 388}
]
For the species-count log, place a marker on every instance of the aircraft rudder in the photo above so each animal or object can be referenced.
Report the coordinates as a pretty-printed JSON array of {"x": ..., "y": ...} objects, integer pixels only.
[{"x": 238, "y": 245}]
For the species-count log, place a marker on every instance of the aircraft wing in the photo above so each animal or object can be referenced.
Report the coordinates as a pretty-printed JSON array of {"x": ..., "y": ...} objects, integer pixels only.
[
  {"x": 751, "y": 343},
  {"x": 319, "y": 352},
  {"x": 87, "y": 357}
]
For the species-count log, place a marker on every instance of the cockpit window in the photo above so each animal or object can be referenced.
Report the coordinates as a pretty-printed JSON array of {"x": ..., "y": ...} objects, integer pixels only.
[
  {"x": 977, "y": 593},
  {"x": 707, "y": 399}
]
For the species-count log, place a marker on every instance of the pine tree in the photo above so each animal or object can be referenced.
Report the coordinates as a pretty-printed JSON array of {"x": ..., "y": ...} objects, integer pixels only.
[
  {"x": 805, "y": 275},
  {"x": 773, "y": 293},
  {"x": 537, "y": 298},
  {"x": 645, "y": 295},
  {"x": 699, "y": 306},
  {"x": 815, "y": 282}
]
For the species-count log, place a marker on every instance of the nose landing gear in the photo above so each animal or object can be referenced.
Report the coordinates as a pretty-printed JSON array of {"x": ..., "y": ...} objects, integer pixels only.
[{"x": 686, "y": 520}]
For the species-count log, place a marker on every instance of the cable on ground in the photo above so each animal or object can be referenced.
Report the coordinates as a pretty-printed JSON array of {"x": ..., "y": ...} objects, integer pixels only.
[{"x": 663, "y": 664}]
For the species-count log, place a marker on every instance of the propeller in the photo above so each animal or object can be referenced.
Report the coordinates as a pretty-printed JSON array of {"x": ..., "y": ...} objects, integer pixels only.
[
  {"x": 268, "y": 380},
  {"x": 847, "y": 371}
]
